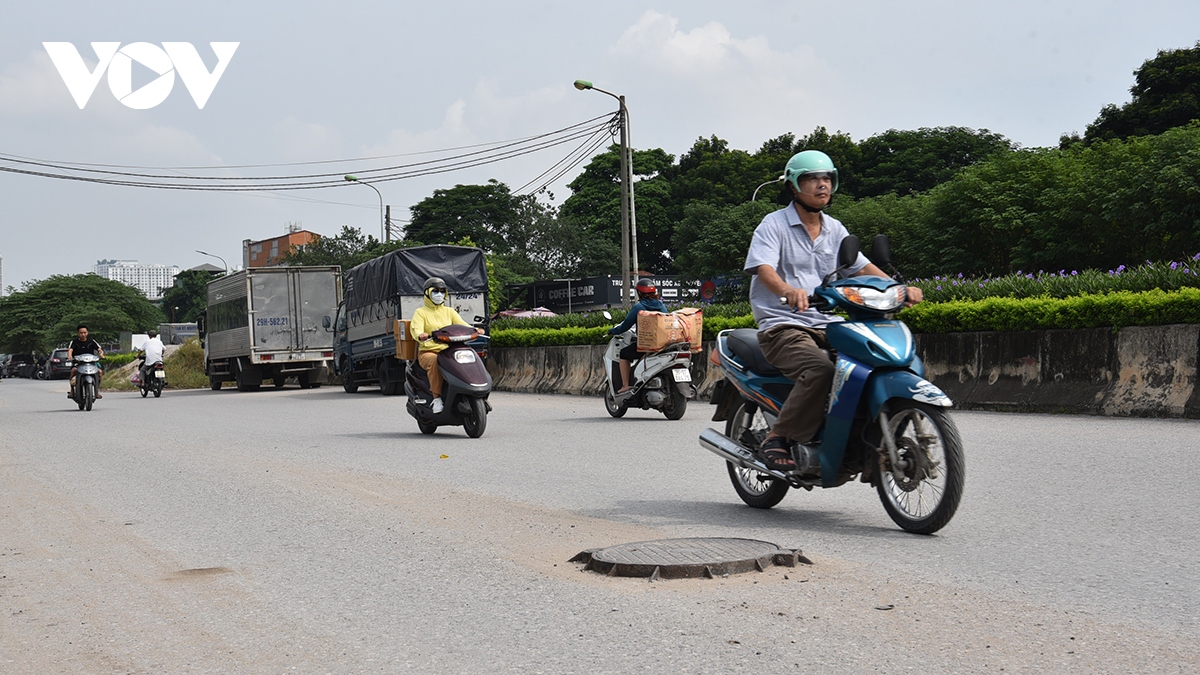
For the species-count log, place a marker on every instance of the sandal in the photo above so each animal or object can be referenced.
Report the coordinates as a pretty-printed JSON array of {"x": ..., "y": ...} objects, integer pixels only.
[{"x": 776, "y": 452}]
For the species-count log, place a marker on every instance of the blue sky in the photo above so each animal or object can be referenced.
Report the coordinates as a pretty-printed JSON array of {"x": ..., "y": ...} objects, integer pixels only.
[{"x": 318, "y": 81}]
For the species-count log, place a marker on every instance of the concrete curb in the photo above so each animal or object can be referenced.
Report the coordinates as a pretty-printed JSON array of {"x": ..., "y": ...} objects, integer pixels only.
[{"x": 1132, "y": 372}]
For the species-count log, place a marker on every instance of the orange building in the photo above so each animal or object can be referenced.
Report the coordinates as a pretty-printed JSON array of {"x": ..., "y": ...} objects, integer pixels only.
[{"x": 270, "y": 252}]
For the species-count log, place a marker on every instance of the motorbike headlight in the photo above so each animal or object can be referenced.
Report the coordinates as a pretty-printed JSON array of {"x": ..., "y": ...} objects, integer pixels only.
[
  {"x": 465, "y": 356},
  {"x": 885, "y": 301}
]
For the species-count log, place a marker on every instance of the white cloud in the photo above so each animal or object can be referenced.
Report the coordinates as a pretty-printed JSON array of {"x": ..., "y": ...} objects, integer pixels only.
[
  {"x": 300, "y": 141},
  {"x": 738, "y": 85},
  {"x": 33, "y": 86}
]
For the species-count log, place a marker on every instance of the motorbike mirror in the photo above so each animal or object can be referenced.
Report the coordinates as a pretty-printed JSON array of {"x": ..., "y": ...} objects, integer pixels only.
[
  {"x": 881, "y": 250},
  {"x": 606, "y": 315},
  {"x": 848, "y": 251}
]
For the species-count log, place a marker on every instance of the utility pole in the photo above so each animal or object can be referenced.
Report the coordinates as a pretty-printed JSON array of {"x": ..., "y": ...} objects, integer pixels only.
[{"x": 387, "y": 222}]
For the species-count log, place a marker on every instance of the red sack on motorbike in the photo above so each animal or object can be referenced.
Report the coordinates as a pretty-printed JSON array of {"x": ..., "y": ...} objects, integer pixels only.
[{"x": 136, "y": 378}]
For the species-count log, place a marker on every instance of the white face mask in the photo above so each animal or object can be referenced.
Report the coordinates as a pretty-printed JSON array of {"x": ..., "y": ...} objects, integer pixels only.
[{"x": 437, "y": 297}]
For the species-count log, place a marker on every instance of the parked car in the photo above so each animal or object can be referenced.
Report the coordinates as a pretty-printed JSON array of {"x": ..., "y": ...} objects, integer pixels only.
[
  {"x": 20, "y": 365},
  {"x": 57, "y": 365}
]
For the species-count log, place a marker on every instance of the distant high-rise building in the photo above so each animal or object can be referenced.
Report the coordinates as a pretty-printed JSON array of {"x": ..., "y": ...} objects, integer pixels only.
[
  {"x": 1, "y": 275},
  {"x": 149, "y": 279}
]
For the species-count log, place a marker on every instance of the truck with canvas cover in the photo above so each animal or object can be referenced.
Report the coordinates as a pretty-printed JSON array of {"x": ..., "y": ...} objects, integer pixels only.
[
  {"x": 267, "y": 324},
  {"x": 382, "y": 294}
]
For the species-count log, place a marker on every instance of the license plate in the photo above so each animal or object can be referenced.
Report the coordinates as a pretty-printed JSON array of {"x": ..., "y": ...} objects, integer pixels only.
[
  {"x": 682, "y": 375},
  {"x": 160, "y": 374}
]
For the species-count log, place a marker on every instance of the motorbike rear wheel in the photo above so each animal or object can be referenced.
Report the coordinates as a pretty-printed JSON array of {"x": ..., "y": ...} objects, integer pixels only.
[
  {"x": 747, "y": 426},
  {"x": 158, "y": 387},
  {"x": 476, "y": 421},
  {"x": 611, "y": 405},
  {"x": 926, "y": 436},
  {"x": 676, "y": 403}
]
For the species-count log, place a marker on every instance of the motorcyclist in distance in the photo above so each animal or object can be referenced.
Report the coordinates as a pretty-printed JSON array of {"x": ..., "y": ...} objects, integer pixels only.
[
  {"x": 151, "y": 353},
  {"x": 82, "y": 344},
  {"x": 647, "y": 302},
  {"x": 435, "y": 314}
]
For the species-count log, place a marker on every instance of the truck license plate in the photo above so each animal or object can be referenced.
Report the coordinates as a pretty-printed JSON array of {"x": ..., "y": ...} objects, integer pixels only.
[{"x": 682, "y": 375}]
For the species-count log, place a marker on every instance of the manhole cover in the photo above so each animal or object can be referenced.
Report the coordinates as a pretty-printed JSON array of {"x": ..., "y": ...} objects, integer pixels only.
[{"x": 688, "y": 558}]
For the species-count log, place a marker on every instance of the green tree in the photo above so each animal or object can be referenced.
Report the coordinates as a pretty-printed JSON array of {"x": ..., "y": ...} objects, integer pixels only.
[
  {"x": 484, "y": 213},
  {"x": 1166, "y": 94},
  {"x": 712, "y": 240},
  {"x": 905, "y": 162},
  {"x": 348, "y": 248},
  {"x": 594, "y": 211},
  {"x": 189, "y": 294},
  {"x": 46, "y": 312}
]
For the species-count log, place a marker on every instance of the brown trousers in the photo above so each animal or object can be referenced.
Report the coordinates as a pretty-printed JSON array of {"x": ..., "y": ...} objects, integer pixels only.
[
  {"x": 798, "y": 352},
  {"x": 428, "y": 361}
]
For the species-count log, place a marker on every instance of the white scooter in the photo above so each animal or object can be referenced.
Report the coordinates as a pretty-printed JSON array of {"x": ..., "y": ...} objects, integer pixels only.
[{"x": 660, "y": 380}]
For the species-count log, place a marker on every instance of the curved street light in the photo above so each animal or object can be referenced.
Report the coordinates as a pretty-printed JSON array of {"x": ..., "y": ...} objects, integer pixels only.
[
  {"x": 628, "y": 217},
  {"x": 382, "y": 228},
  {"x": 213, "y": 255}
]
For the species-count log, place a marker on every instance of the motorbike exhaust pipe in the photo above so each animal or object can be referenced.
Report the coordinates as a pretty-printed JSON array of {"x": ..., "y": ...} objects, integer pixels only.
[{"x": 731, "y": 451}]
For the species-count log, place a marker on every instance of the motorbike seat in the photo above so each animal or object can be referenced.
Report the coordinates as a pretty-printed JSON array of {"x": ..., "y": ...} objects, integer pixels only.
[{"x": 743, "y": 342}]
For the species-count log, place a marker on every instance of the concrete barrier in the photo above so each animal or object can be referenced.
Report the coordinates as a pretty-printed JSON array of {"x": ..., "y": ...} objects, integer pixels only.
[{"x": 1136, "y": 372}]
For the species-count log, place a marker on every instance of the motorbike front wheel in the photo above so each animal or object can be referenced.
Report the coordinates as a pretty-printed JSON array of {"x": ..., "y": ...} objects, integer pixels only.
[
  {"x": 143, "y": 390},
  {"x": 476, "y": 421},
  {"x": 611, "y": 405},
  {"x": 426, "y": 426},
  {"x": 89, "y": 396},
  {"x": 748, "y": 427},
  {"x": 927, "y": 496}
]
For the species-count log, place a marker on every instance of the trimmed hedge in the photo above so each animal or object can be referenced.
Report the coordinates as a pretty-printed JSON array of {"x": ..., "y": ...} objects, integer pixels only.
[
  {"x": 1148, "y": 308},
  {"x": 1125, "y": 308}
]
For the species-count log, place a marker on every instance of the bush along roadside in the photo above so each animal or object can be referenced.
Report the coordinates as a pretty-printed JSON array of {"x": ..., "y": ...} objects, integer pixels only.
[
  {"x": 1116, "y": 310},
  {"x": 184, "y": 366}
]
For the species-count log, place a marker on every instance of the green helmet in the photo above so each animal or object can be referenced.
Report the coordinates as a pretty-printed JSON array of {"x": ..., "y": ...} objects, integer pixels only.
[{"x": 809, "y": 161}]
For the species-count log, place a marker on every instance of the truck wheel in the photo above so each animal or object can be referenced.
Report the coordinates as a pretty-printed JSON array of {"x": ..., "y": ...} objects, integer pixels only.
[
  {"x": 214, "y": 382},
  {"x": 240, "y": 378},
  {"x": 348, "y": 382},
  {"x": 387, "y": 386},
  {"x": 304, "y": 380}
]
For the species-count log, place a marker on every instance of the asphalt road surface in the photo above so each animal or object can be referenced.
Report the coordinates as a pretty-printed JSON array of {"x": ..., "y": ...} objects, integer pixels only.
[{"x": 316, "y": 531}]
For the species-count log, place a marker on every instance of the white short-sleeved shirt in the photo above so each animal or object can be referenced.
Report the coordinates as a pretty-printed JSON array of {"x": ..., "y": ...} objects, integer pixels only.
[
  {"x": 782, "y": 242},
  {"x": 154, "y": 350}
]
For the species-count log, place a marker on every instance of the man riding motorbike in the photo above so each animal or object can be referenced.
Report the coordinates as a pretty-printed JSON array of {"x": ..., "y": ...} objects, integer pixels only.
[
  {"x": 648, "y": 302},
  {"x": 792, "y": 251},
  {"x": 151, "y": 353},
  {"x": 432, "y": 316},
  {"x": 82, "y": 344}
]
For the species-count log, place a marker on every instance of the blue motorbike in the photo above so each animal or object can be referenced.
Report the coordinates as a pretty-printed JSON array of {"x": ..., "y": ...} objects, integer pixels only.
[{"x": 884, "y": 423}]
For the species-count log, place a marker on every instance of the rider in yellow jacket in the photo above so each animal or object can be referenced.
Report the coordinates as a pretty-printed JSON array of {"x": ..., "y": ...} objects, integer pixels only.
[{"x": 434, "y": 315}]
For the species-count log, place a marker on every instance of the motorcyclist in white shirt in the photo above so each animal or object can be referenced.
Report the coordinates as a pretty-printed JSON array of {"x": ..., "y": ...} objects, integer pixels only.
[{"x": 151, "y": 353}]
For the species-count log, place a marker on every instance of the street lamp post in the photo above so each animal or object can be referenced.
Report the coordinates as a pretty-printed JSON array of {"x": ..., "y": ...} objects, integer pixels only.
[
  {"x": 212, "y": 255},
  {"x": 384, "y": 235},
  {"x": 628, "y": 222}
]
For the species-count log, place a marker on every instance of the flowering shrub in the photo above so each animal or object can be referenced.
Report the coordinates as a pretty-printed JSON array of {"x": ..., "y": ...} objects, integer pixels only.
[{"x": 1063, "y": 283}]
